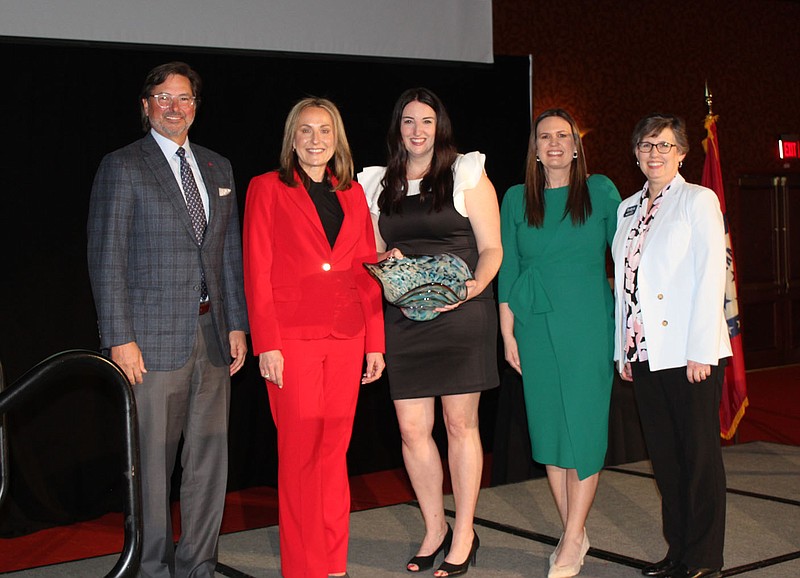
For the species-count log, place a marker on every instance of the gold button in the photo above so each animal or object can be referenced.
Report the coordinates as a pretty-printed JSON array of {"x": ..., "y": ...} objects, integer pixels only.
[
  {"x": 665, "y": 323},
  {"x": 660, "y": 296},
  {"x": 326, "y": 266}
]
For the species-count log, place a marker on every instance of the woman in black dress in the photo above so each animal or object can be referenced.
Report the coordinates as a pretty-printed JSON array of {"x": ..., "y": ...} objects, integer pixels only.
[{"x": 429, "y": 200}]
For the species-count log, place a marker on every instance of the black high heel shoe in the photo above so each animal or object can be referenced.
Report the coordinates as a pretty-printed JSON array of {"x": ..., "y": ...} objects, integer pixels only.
[
  {"x": 472, "y": 557},
  {"x": 426, "y": 562}
]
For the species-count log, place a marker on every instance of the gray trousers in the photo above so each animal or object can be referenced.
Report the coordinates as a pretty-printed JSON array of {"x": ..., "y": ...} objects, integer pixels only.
[{"x": 192, "y": 402}]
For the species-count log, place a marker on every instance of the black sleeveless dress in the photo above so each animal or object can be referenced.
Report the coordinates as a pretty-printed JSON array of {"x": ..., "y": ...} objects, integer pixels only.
[{"x": 457, "y": 351}]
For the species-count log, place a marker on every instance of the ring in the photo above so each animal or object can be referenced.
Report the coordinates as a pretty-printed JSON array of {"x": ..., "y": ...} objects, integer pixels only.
[{"x": 266, "y": 375}]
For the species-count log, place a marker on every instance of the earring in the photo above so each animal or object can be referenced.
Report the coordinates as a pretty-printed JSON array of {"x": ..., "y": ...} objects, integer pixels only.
[
  {"x": 637, "y": 163},
  {"x": 680, "y": 164},
  {"x": 538, "y": 160},
  {"x": 574, "y": 154}
]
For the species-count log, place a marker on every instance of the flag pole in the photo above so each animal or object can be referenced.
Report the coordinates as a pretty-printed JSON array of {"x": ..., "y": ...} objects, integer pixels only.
[{"x": 734, "y": 390}]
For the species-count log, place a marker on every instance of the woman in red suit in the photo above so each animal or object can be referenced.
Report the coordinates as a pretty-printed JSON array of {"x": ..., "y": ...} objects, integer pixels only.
[{"x": 314, "y": 312}]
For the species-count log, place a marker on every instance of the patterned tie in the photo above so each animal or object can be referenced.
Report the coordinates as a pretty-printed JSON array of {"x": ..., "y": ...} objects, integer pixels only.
[
  {"x": 193, "y": 201},
  {"x": 195, "y": 205}
]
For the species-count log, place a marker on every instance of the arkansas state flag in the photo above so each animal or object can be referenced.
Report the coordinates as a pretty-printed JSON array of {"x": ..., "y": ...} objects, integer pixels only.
[{"x": 734, "y": 389}]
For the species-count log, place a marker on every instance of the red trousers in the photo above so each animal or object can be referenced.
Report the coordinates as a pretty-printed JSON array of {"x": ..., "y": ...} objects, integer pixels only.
[{"x": 313, "y": 413}]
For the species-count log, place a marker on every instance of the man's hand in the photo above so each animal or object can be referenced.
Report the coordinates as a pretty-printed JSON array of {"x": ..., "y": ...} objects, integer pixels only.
[
  {"x": 238, "y": 350},
  {"x": 129, "y": 357}
]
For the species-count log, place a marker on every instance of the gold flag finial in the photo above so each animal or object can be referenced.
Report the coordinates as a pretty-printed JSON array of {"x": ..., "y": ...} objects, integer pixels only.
[{"x": 709, "y": 98}]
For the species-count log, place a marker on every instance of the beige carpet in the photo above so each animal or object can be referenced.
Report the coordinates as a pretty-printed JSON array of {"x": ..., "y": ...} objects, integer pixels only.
[{"x": 517, "y": 524}]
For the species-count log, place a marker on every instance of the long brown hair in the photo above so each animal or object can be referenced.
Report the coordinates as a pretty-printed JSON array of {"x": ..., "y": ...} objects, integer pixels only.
[
  {"x": 579, "y": 205},
  {"x": 438, "y": 181}
]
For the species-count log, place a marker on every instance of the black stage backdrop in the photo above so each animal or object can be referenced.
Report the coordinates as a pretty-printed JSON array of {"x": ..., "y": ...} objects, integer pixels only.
[{"x": 64, "y": 106}]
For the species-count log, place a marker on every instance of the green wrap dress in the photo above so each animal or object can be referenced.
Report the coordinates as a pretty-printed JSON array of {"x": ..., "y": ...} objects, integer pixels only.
[{"x": 555, "y": 282}]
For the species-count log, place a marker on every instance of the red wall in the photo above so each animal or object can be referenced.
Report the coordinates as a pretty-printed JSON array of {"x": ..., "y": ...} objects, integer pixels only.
[{"x": 610, "y": 62}]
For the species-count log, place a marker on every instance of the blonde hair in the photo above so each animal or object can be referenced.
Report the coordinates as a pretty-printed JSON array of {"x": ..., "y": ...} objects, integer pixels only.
[{"x": 341, "y": 163}]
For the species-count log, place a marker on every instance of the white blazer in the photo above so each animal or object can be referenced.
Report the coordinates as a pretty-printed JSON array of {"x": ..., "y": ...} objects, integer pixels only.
[{"x": 681, "y": 278}]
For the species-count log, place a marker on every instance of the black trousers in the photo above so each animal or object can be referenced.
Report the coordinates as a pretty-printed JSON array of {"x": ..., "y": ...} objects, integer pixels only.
[{"x": 680, "y": 421}]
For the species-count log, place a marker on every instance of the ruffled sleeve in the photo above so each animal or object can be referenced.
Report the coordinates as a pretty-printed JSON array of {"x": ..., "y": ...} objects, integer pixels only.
[
  {"x": 467, "y": 171},
  {"x": 370, "y": 179}
]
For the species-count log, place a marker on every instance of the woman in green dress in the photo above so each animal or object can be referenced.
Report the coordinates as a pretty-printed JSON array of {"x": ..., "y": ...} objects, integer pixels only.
[{"x": 556, "y": 318}]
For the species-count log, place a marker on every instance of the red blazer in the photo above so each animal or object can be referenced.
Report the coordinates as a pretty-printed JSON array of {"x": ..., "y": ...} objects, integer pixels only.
[{"x": 296, "y": 286}]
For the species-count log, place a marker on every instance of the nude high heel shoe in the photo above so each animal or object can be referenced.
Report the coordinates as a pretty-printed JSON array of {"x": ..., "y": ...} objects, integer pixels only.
[
  {"x": 555, "y": 552},
  {"x": 570, "y": 570}
]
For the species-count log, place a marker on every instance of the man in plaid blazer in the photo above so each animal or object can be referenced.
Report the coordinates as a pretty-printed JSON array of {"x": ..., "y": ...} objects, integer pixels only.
[{"x": 171, "y": 312}]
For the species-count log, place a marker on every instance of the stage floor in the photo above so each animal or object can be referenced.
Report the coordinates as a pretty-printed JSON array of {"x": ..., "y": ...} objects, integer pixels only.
[{"x": 518, "y": 527}]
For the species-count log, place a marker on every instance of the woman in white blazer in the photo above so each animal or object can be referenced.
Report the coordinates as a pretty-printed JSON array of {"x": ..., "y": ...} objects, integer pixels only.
[{"x": 672, "y": 340}]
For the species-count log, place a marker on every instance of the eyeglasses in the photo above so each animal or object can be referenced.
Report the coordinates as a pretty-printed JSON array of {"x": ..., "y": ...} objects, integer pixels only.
[
  {"x": 662, "y": 147},
  {"x": 164, "y": 100}
]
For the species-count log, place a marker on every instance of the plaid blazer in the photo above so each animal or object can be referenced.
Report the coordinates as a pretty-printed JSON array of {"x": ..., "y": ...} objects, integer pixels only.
[{"x": 144, "y": 263}]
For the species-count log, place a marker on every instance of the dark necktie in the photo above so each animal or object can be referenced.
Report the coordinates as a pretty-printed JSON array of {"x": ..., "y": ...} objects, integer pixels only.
[
  {"x": 195, "y": 205},
  {"x": 193, "y": 201}
]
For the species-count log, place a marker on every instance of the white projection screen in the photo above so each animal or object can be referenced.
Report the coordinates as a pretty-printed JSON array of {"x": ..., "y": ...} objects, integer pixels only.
[{"x": 450, "y": 30}]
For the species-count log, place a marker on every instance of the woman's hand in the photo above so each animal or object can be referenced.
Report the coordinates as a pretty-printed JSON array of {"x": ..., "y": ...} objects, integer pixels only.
[
  {"x": 512, "y": 354},
  {"x": 471, "y": 292},
  {"x": 270, "y": 364},
  {"x": 391, "y": 254},
  {"x": 697, "y": 372},
  {"x": 375, "y": 365},
  {"x": 626, "y": 374},
  {"x": 507, "y": 333}
]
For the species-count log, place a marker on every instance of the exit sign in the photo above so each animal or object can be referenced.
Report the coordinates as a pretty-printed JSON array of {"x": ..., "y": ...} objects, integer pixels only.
[{"x": 789, "y": 146}]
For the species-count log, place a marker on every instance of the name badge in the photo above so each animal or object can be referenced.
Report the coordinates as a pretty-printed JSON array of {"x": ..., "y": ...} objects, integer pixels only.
[{"x": 630, "y": 211}]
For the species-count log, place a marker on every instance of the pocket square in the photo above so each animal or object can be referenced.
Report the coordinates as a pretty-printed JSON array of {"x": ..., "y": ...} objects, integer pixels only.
[{"x": 224, "y": 192}]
